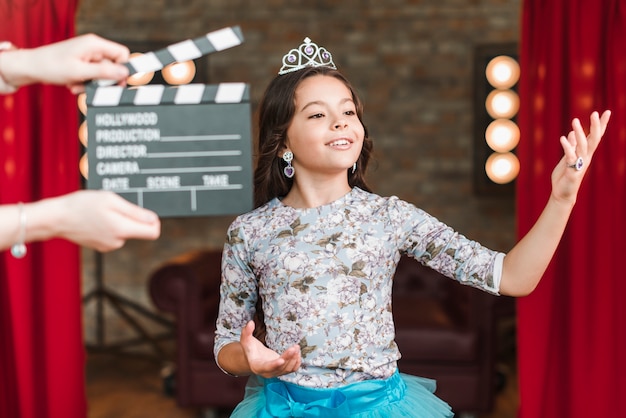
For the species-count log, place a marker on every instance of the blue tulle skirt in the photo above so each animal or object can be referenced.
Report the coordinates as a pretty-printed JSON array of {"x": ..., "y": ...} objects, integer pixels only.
[{"x": 401, "y": 395}]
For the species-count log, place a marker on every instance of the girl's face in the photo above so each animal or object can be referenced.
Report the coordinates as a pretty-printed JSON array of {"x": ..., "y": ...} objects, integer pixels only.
[{"x": 325, "y": 134}]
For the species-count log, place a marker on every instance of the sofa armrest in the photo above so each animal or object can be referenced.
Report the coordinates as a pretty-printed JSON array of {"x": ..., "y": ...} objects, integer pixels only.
[
  {"x": 188, "y": 287},
  {"x": 186, "y": 274}
]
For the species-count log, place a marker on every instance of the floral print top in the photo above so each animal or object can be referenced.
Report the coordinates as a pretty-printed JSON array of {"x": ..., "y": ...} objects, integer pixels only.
[{"x": 324, "y": 276}]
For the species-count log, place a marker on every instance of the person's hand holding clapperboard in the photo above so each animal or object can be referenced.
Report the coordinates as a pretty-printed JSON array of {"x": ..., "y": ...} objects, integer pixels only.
[
  {"x": 180, "y": 151},
  {"x": 93, "y": 218}
]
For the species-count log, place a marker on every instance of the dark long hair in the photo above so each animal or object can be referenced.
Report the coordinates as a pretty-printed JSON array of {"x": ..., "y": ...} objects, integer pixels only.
[{"x": 276, "y": 111}]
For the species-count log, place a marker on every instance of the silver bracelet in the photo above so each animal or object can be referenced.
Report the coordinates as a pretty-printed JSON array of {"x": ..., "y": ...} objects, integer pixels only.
[{"x": 18, "y": 250}]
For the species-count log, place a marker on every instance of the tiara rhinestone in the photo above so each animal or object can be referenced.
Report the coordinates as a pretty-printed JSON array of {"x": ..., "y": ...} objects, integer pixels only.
[{"x": 309, "y": 54}]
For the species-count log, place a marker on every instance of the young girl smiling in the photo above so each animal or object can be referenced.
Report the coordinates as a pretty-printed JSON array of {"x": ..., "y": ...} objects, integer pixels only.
[{"x": 316, "y": 258}]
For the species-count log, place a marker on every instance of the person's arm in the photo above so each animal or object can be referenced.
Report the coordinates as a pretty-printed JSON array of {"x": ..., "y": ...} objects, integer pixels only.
[
  {"x": 526, "y": 263},
  {"x": 96, "y": 219},
  {"x": 70, "y": 62},
  {"x": 237, "y": 351}
]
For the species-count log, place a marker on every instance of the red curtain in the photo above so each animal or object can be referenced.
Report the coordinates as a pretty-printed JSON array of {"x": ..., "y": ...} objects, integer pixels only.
[
  {"x": 41, "y": 348},
  {"x": 572, "y": 329}
]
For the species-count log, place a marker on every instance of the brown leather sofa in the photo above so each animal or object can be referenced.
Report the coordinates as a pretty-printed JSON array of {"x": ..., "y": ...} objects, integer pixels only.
[{"x": 445, "y": 331}]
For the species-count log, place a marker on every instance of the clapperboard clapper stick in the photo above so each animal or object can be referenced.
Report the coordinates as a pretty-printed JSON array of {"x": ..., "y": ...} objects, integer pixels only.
[
  {"x": 188, "y": 50},
  {"x": 180, "y": 151}
]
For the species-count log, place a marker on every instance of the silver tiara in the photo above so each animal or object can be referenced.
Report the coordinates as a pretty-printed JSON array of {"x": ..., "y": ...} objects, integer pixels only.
[{"x": 307, "y": 55}]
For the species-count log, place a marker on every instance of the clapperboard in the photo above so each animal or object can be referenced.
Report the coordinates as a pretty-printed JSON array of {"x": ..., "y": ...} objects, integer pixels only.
[{"x": 180, "y": 151}]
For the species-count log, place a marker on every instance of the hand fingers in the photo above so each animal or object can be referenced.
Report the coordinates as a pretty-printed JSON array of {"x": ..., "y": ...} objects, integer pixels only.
[
  {"x": 578, "y": 144},
  {"x": 133, "y": 211},
  {"x": 110, "y": 71},
  {"x": 103, "y": 60},
  {"x": 76, "y": 88},
  {"x": 288, "y": 362},
  {"x": 292, "y": 359},
  {"x": 104, "y": 70},
  {"x": 248, "y": 330},
  {"x": 140, "y": 230},
  {"x": 578, "y": 138},
  {"x": 595, "y": 131},
  {"x": 129, "y": 229},
  {"x": 568, "y": 149},
  {"x": 110, "y": 245},
  {"x": 602, "y": 122},
  {"x": 106, "y": 48},
  {"x": 597, "y": 128},
  {"x": 116, "y": 52},
  {"x": 88, "y": 57},
  {"x": 136, "y": 222}
]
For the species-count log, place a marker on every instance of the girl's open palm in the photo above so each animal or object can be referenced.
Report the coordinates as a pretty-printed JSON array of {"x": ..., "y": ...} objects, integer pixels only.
[{"x": 264, "y": 361}]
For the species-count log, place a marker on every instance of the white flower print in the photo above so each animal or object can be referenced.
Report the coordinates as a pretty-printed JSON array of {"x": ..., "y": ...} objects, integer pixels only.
[{"x": 325, "y": 278}]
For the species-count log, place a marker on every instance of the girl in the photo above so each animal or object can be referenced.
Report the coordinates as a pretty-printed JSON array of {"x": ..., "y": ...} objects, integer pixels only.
[{"x": 319, "y": 252}]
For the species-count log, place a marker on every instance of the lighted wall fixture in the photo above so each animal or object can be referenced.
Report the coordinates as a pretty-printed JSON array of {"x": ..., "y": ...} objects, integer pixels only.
[
  {"x": 496, "y": 105},
  {"x": 139, "y": 79},
  {"x": 82, "y": 134},
  {"x": 502, "y": 167},
  {"x": 502, "y": 104},
  {"x": 502, "y": 135},
  {"x": 179, "y": 73},
  {"x": 502, "y": 72}
]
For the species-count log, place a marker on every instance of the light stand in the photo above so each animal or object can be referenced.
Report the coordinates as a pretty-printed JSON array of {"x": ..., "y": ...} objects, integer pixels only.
[{"x": 123, "y": 306}]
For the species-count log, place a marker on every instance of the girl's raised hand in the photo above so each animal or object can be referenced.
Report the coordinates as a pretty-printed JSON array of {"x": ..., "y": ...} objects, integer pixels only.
[{"x": 578, "y": 151}]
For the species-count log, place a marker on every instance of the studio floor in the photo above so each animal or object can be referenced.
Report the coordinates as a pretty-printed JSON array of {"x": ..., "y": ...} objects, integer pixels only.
[{"x": 120, "y": 386}]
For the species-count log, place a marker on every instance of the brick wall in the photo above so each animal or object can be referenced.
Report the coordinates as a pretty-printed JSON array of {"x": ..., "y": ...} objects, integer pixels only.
[{"x": 411, "y": 62}]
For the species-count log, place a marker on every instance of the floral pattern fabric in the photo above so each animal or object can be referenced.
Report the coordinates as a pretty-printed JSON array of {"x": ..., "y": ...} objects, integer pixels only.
[{"x": 324, "y": 276}]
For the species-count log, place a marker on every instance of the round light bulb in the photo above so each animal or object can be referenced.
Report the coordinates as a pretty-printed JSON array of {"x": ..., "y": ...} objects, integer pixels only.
[
  {"x": 502, "y": 168},
  {"x": 503, "y": 72},
  {"x": 83, "y": 166},
  {"x": 81, "y": 100},
  {"x": 179, "y": 72},
  {"x": 502, "y": 104},
  {"x": 139, "y": 79},
  {"x": 502, "y": 135},
  {"x": 82, "y": 133}
]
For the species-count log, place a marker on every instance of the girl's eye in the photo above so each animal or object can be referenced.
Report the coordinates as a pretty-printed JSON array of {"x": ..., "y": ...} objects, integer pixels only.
[
  {"x": 316, "y": 116},
  {"x": 350, "y": 113}
]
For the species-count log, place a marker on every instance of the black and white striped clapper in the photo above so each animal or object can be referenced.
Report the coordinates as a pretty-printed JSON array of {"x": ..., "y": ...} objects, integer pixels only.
[
  {"x": 180, "y": 151},
  {"x": 188, "y": 50}
]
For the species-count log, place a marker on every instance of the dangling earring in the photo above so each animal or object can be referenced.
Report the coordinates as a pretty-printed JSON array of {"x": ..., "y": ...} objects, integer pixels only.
[
  {"x": 353, "y": 167},
  {"x": 289, "y": 170}
]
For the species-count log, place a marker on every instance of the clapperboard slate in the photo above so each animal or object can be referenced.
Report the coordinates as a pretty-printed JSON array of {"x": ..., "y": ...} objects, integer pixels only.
[{"x": 180, "y": 151}]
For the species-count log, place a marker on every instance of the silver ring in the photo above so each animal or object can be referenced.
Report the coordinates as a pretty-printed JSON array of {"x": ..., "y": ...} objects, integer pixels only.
[{"x": 578, "y": 165}]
